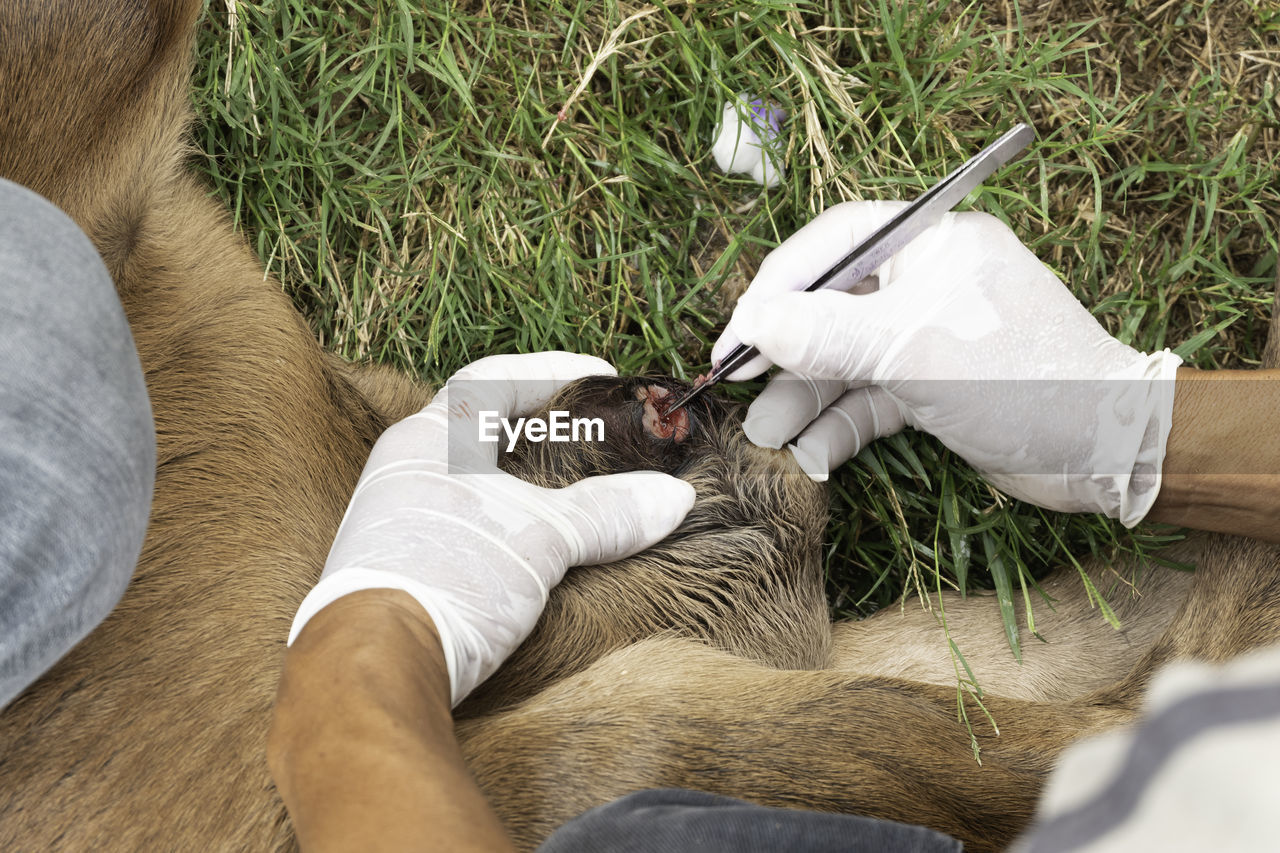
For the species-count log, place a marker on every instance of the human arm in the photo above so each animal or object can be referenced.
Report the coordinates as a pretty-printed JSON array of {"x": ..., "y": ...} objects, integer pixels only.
[
  {"x": 362, "y": 747},
  {"x": 434, "y": 525},
  {"x": 1222, "y": 465}
]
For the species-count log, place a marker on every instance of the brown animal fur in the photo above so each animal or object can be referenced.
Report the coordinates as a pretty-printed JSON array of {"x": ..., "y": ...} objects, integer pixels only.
[
  {"x": 699, "y": 663},
  {"x": 742, "y": 573}
]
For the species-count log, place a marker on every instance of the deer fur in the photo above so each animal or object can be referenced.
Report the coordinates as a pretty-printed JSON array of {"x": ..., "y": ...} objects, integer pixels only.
[{"x": 707, "y": 662}]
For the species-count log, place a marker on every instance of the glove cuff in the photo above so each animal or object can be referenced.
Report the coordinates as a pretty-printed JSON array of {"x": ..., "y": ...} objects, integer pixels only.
[
  {"x": 1123, "y": 430},
  {"x": 336, "y": 585},
  {"x": 1137, "y": 491}
]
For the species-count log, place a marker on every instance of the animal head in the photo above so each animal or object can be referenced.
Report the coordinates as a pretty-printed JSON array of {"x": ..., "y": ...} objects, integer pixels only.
[{"x": 750, "y": 545}]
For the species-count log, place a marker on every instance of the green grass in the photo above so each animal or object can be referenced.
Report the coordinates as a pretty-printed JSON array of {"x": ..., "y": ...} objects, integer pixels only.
[{"x": 402, "y": 171}]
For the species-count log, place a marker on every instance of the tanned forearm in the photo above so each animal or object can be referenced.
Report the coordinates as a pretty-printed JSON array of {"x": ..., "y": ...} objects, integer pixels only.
[
  {"x": 1222, "y": 465},
  {"x": 362, "y": 746}
]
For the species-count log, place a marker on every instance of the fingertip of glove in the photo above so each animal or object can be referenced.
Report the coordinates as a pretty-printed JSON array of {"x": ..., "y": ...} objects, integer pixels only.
[
  {"x": 746, "y": 319},
  {"x": 761, "y": 431},
  {"x": 773, "y": 325},
  {"x": 656, "y": 488},
  {"x": 577, "y": 364},
  {"x": 725, "y": 343},
  {"x": 661, "y": 499},
  {"x": 677, "y": 491},
  {"x": 814, "y": 465},
  {"x": 733, "y": 335}
]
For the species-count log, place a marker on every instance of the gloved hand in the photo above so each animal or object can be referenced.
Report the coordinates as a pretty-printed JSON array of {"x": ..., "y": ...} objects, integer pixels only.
[
  {"x": 480, "y": 549},
  {"x": 968, "y": 337}
]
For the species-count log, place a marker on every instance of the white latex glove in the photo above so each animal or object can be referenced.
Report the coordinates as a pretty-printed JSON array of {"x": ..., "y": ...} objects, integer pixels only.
[
  {"x": 970, "y": 338},
  {"x": 480, "y": 549}
]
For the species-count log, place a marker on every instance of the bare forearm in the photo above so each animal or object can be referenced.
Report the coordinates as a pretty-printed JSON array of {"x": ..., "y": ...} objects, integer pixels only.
[
  {"x": 1222, "y": 465},
  {"x": 362, "y": 746}
]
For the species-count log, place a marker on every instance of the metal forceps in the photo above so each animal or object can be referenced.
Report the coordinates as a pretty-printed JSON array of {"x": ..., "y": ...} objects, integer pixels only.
[{"x": 867, "y": 256}]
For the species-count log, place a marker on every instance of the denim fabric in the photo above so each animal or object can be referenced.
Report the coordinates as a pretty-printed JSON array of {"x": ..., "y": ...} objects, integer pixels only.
[
  {"x": 77, "y": 443},
  {"x": 679, "y": 821}
]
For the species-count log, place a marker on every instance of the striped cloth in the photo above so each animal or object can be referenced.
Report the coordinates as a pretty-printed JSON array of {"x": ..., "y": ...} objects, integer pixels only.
[{"x": 1200, "y": 771}]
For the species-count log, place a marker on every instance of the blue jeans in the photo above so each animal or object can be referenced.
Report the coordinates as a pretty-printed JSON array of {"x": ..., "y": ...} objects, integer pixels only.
[
  {"x": 77, "y": 443},
  {"x": 674, "y": 820}
]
